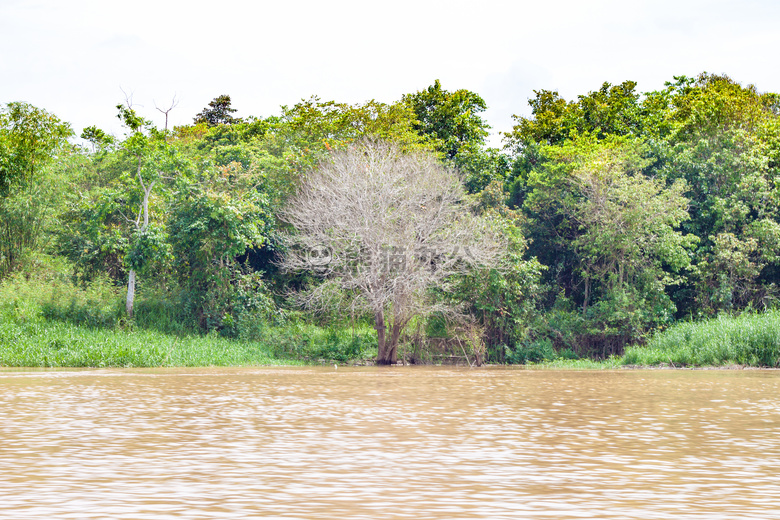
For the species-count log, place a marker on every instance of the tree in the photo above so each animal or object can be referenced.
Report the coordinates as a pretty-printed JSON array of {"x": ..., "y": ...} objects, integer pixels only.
[
  {"x": 28, "y": 138},
  {"x": 618, "y": 229},
  {"x": 450, "y": 119},
  {"x": 628, "y": 221},
  {"x": 451, "y": 123},
  {"x": 308, "y": 131},
  {"x": 386, "y": 227},
  {"x": 155, "y": 161},
  {"x": 722, "y": 139},
  {"x": 166, "y": 111},
  {"x": 97, "y": 137},
  {"x": 29, "y": 141},
  {"x": 503, "y": 300},
  {"x": 611, "y": 110},
  {"x": 216, "y": 216},
  {"x": 93, "y": 233},
  {"x": 217, "y": 113}
]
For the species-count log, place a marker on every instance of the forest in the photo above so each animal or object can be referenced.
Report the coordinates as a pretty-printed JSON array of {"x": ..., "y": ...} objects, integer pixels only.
[{"x": 604, "y": 225}]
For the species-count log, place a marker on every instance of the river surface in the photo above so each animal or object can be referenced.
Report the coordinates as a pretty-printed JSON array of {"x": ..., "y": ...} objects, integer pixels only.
[{"x": 376, "y": 443}]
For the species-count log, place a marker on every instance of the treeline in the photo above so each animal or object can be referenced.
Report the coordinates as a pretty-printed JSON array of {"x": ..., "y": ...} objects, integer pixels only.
[{"x": 622, "y": 212}]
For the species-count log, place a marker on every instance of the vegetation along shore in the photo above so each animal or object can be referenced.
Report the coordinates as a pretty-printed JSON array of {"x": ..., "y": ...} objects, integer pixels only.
[{"x": 621, "y": 228}]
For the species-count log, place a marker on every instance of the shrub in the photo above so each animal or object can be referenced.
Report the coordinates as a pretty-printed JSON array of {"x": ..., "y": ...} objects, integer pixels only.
[
  {"x": 531, "y": 352},
  {"x": 748, "y": 339}
]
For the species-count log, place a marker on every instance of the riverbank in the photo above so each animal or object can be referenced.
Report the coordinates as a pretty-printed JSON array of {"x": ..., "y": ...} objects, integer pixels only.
[
  {"x": 47, "y": 321},
  {"x": 50, "y": 343},
  {"x": 747, "y": 341},
  {"x": 51, "y": 323},
  {"x": 726, "y": 342}
]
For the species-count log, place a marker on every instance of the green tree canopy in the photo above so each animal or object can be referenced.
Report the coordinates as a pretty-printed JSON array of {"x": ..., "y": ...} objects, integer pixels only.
[
  {"x": 451, "y": 120},
  {"x": 29, "y": 138},
  {"x": 609, "y": 234},
  {"x": 722, "y": 139},
  {"x": 217, "y": 113},
  {"x": 611, "y": 110}
]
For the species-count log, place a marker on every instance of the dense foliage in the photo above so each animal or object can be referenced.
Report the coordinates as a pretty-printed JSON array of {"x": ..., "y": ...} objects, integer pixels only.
[{"x": 620, "y": 214}]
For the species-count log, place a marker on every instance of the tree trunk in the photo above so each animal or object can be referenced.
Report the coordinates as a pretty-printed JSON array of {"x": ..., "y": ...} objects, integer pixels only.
[
  {"x": 386, "y": 352},
  {"x": 395, "y": 335},
  {"x": 130, "y": 293},
  {"x": 142, "y": 228}
]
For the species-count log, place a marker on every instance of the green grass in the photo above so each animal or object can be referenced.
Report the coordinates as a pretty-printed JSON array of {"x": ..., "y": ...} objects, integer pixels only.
[
  {"x": 35, "y": 341},
  {"x": 47, "y": 321},
  {"x": 42, "y": 342},
  {"x": 50, "y": 343},
  {"x": 749, "y": 339},
  {"x": 582, "y": 364},
  {"x": 53, "y": 343}
]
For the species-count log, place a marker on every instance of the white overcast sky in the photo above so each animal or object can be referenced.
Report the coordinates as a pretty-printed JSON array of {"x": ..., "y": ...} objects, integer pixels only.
[{"x": 74, "y": 58}]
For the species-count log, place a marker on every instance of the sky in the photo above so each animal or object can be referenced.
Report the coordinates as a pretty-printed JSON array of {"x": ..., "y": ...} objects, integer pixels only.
[{"x": 79, "y": 59}]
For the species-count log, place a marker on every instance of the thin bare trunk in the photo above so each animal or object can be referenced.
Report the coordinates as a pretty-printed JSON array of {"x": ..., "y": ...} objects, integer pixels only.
[
  {"x": 130, "y": 293},
  {"x": 143, "y": 212}
]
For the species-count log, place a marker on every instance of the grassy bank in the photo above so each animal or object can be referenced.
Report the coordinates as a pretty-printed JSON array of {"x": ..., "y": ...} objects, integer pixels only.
[
  {"x": 42, "y": 342},
  {"x": 47, "y": 321},
  {"x": 50, "y": 343},
  {"x": 749, "y": 339}
]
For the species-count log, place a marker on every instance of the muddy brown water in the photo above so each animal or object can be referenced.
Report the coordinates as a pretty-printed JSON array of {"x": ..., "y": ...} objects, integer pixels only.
[{"x": 374, "y": 443}]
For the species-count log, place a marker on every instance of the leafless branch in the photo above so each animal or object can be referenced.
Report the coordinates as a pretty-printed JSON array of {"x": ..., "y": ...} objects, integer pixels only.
[
  {"x": 128, "y": 98},
  {"x": 386, "y": 226},
  {"x": 174, "y": 103}
]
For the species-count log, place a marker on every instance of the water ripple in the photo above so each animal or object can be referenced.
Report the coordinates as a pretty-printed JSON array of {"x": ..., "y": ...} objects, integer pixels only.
[{"x": 388, "y": 443}]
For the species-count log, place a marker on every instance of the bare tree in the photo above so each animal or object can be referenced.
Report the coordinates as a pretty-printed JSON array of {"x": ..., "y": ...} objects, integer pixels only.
[
  {"x": 387, "y": 227},
  {"x": 174, "y": 104}
]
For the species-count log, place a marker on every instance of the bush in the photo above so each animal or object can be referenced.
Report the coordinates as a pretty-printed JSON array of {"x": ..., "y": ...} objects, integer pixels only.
[
  {"x": 46, "y": 289},
  {"x": 161, "y": 311},
  {"x": 749, "y": 339},
  {"x": 310, "y": 342},
  {"x": 97, "y": 304},
  {"x": 341, "y": 346},
  {"x": 531, "y": 352}
]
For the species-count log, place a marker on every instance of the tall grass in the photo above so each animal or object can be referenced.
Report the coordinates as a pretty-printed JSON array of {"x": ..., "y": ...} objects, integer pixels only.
[
  {"x": 610, "y": 363},
  {"x": 46, "y": 320},
  {"x": 47, "y": 290},
  {"x": 749, "y": 339},
  {"x": 51, "y": 343},
  {"x": 54, "y": 343}
]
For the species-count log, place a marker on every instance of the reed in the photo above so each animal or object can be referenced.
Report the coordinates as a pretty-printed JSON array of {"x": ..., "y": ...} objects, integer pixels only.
[
  {"x": 749, "y": 339},
  {"x": 53, "y": 343},
  {"x": 47, "y": 321}
]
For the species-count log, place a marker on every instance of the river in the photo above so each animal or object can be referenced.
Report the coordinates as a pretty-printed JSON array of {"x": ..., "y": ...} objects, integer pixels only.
[{"x": 393, "y": 442}]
